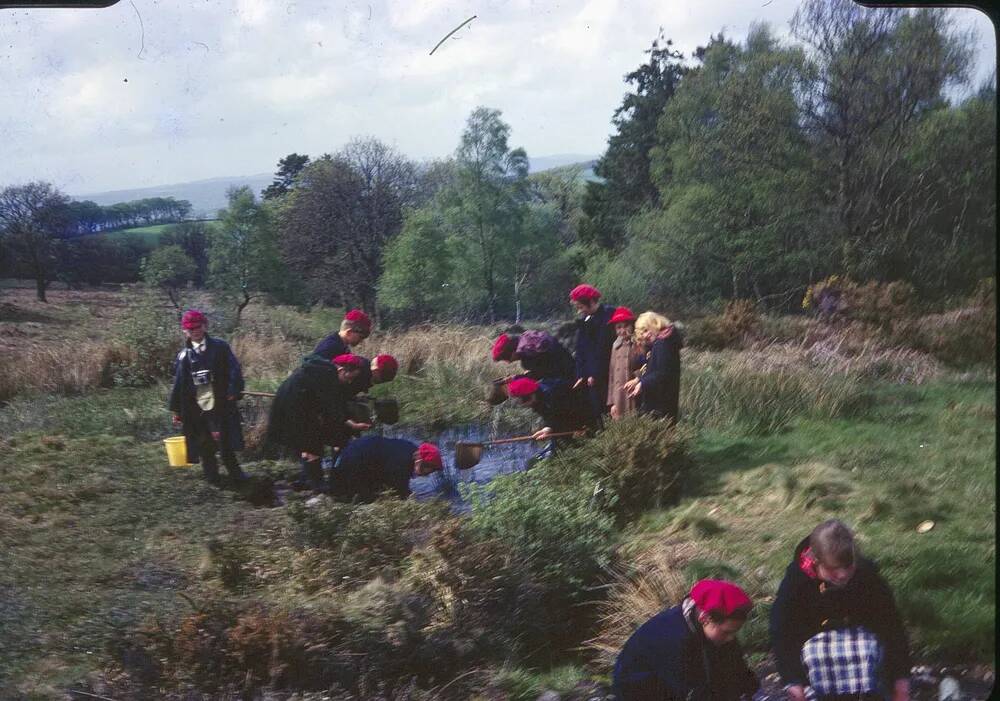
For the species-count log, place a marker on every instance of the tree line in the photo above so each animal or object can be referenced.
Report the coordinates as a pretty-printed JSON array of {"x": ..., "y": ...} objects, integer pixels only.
[{"x": 749, "y": 170}]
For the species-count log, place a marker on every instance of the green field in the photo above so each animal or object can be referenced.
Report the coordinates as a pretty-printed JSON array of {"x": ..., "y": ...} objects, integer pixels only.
[{"x": 149, "y": 235}]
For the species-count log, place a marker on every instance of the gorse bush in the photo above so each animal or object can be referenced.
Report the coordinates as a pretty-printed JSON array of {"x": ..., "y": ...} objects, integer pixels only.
[
  {"x": 555, "y": 530},
  {"x": 633, "y": 464},
  {"x": 360, "y": 540},
  {"x": 732, "y": 329},
  {"x": 872, "y": 302}
]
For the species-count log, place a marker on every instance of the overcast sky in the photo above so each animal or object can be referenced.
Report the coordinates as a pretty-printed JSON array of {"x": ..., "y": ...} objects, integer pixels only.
[{"x": 151, "y": 92}]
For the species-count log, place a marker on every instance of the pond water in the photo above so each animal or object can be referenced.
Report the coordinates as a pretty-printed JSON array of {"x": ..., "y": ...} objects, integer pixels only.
[{"x": 499, "y": 460}]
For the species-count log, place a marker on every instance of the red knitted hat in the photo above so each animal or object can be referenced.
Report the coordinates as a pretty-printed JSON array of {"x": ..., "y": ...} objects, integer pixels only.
[
  {"x": 719, "y": 596},
  {"x": 584, "y": 293},
  {"x": 359, "y": 319},
  {"x": 504, "y": 347},
  {"x": 522, "y": 387},
  {"x": 430, "y": 455},
  {"x": 348, "y": 360},
  {"x": 193, "y": 318},
  {"x": 387, "y": 365},
  {"x": 622, "y": 314}
]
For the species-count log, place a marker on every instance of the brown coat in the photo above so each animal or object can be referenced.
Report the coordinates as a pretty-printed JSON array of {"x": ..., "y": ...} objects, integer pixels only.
[{"x": 626, "y": 358}]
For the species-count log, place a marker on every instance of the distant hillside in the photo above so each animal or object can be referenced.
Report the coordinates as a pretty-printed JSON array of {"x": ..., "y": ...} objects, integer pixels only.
[
  {"x": 537, "y": 165},
  {"x": 207, "y": 197}
]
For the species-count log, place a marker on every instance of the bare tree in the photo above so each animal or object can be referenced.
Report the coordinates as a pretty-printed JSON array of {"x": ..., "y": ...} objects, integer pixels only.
[{"x": 32, "y": 217}]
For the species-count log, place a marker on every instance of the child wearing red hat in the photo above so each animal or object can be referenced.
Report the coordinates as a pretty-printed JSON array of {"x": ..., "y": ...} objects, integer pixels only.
[
  {"x": 594, "y": 339},
  {"x": 689, "y": 651},
  {"x": 626, "y": 359},
  {"x": 371, "y": 465},
  {"x": 354, "y": 329},
  {"x": 310, "y": 412},
  {"x": 540, "y": 353},
  {"x": 208, "y": 382},
  {"x": 556, "y": 403}
]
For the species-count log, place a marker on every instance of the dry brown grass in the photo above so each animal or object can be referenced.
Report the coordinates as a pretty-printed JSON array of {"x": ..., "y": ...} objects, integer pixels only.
[
  {"x": 465, "y": 348},
  {"x": 656, "y": 581}
]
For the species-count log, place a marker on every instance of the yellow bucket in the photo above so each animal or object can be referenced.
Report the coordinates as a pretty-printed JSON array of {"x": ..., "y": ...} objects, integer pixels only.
[{"x": 176, "y": 451}]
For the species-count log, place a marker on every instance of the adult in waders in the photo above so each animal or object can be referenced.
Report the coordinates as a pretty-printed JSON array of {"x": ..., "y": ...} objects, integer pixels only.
[
  {"x": 689, "y": 652},
  {"x": 540, "y": 354},
  {"x": 557, "y": 404},
  {"x": 371, "y": 465},
  {"x": 658, "y": 385},
  {"x": 354, "y": 329},
  {"x": 626, "y": 359},
  {"x": 594, "y": 338},
  {"x": 835, "y": 630},
  {"x": 208, "y": 382},
  {"x": 310, "y": 412}
]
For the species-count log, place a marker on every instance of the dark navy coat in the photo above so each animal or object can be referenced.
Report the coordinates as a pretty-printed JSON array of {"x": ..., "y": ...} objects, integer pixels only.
[
  {"x": 563, "y": 408},
  {"x": 227, "y": 381},
  {"x": 669, "y": 659},
  {"x": 800, "y": 609},
  {"x": 594, "y": 338},
  {"x": 309, "y": 408},
  {"x": 371, "y": 465},
  {"x": 332, "y": 346},
  {"x": 661, "y": 382}
]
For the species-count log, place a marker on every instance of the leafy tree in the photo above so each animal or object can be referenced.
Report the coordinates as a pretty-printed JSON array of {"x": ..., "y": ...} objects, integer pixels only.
[
  {"x": 418, "y": 268},
  {"x": 624, "y": 167},
  {"x": 872, "y": 76},
  {"x": 32, "y": 219},
  {"x": 485, "y": 208},
  {"x": 170, "y": 269},
  {"x": 734, "y": 171},
  {"x": 193, "y": 238},
  {"x": 288, "y": 168},
  {"x": 244, "y": 257}
]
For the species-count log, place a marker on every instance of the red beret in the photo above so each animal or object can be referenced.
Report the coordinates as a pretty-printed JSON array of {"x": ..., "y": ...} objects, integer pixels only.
[
  {"x": 348, "y": 360},
  {"x": 193, "y": 318},
  {"x": 359, "y": 318},
  {"x": 622, "y": 314},
  {"x": 387, "y": 365},
  {"x": 719, "y": 596},
  {"x": 522, "y": 387},
  {"x": 584, "y": 293},
  {"x": 429, "y": 455},
  {"x": 504, "y": 347}
]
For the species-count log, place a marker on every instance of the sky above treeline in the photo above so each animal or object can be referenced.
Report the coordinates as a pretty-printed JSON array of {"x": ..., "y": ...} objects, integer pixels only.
[{"x": 150, "y": 92}]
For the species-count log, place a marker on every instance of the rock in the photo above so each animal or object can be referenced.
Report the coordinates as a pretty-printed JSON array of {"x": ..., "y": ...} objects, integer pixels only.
[
  {"x": 949, "y": 690},
  {"x": 549, "y": 696}
]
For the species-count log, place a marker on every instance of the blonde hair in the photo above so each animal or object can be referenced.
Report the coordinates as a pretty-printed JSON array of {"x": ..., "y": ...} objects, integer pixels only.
[{"x": 651, "y": 321}]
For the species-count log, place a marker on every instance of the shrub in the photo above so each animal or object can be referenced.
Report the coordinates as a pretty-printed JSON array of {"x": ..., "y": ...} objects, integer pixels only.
[
  {"x": 150, "y": 337},
  {"x": 732, "y": 329},
  {"x": 872, "y": 302},
  {"x": 363, "y": 539},
  {"x": 639, "y": 463},
  {"x": 560, "y": 541}
]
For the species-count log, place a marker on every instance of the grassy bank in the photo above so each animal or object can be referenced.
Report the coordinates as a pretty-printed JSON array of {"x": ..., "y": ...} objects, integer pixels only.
[{"x": 128, "y": 579}]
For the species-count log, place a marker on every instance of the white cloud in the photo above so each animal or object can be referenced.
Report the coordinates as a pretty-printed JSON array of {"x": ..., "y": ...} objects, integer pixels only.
[{"x": 220, "y": 87}]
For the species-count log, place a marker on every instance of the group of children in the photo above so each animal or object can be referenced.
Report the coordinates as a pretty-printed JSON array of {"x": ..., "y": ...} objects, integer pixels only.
[
  {"x": 623, "y": 364},
  {"x": 835, "y": 631},
  {"x": 314, "y": 408}
]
